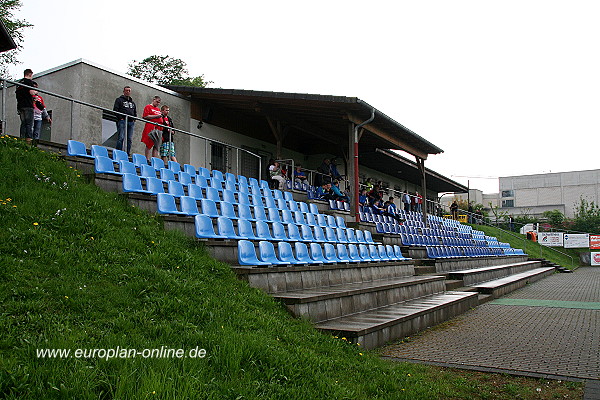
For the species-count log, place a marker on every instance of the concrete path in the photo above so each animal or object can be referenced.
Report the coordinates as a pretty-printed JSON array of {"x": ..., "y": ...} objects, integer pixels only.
[{"x": 549, "y": 329}]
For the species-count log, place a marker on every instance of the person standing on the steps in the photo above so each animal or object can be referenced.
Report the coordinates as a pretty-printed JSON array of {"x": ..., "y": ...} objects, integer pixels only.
[
  {"x": 25, "y": 105},
  {"x": 124, "y": 104}
]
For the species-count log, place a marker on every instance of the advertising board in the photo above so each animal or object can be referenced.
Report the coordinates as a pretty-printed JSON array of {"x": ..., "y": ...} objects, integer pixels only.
[
  {"x": 554, "y": 239},
  {"x": 576, "y": 240}
]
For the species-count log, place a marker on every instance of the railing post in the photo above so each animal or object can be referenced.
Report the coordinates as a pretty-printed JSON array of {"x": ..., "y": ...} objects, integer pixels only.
[
  {"x": 72, "y": 119},
  {"x": 3, "y": 107}
]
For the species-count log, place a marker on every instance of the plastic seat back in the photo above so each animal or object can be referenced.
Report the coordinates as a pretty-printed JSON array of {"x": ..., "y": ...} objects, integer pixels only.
[
  {"x": 226, "y": 229},
  {"x": 244, "y": 212},
  {"x": 147, "y": 171},
  {"x": 227, "y": 210},
  {"x": 341, "y": 222},
  {"x": 307, "y": 233},
  {"x": 310, "y": 219},
  {"x": 127, "y": 167},
  {"x": 262, "y": 231},
  {"x": 368, "y": 237},
  {"x": 293, "y": 232},
  {"x": 209, "y": 208},
  {"x": 302, "y": 253},
  {"x": 319, "y": 235},
  {"x": 139, "y": 159},
  {"x": 374, "y": 253},
  {"x": 259, "y": 213},
  {"x": 313, "y": 208},
  {"x": 273, "y": 215},
  {"x": 243, "y": 198},
  {"x": 353, "y": 253},
  {"x": 98, "y": 150},
  {"x": 330, "y": 235},
  {"x": 363, "y": 251},
  {"x": 245, "y": 229},
  {"x": 204, "y": 227},
  {"x": 195, "y": 191},
  {"x": 157, "y": 163},
  {"x": 175, "y": 188},
  {"x": 247, "y": 254},
  {"x": 75, "y": 148},
  {"x": 190, "y": 169},
  {"x": 360, "y": 236},
  {"x": 329, "y": 253},
  {"x": 286, "y": 253},
  {"x": 341, "y": 235},
  {"x": 119, "y": 155},
  {"x": 279, "y": 231},
  {"x": 174, "y": 166},
  {"x": 165, "y": 204},
  {"x": 351, "y": 235},
  {"x": 316, "y": 253},
  {"x": 266, "y": 253},
  {"x": 104, "y": 165},
  {"x": 217, "y": 174},
  {"x": 155, "y": 185},
  {"x": 229, "y": 196},
  {"x": 212, "y": 194},
  {"x": 132, "y": 184},
  {"x": 204, "y": 172},
  {"x": 189, "y": 205},
  {"x": 342, "y": 251},
  {"x": 184, "y": 177}
]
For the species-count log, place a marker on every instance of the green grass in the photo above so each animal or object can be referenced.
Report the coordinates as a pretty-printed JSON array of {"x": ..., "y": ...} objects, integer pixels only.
[
  {"x": 534, "y": 249},
  {"x": 82, "y": 269}
]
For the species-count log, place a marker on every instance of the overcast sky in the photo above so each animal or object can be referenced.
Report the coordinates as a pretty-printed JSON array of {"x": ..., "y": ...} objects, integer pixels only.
[{"x": 503, "y": 87}]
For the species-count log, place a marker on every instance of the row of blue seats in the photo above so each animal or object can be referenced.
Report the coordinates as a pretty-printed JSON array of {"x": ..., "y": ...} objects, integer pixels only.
[
  {"x": 314, "y": 253},
  {"x": 468, "y": 251},
  {"x": 275, "y": 231}
]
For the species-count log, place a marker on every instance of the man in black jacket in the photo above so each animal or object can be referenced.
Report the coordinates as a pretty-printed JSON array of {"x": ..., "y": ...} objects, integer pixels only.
[
  {"x": 124, "y": 104},
  {"x": 25, "y": 105}
]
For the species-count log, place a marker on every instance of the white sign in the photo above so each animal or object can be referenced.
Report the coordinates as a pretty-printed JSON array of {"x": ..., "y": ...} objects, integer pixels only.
[
  {"x": 554, "y": 239},
  {"x": 576, "y": 240},
  {"x": 595, "y": 258}
]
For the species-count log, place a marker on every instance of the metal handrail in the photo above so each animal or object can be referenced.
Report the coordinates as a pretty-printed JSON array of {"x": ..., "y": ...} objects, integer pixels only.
[{"x": 83, "y": 103}]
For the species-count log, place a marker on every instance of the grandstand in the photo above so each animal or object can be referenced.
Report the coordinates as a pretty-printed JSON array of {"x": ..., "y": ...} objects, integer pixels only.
[
  {"x": 370, "y": 282},
  {"x": 350, "y": 271}
]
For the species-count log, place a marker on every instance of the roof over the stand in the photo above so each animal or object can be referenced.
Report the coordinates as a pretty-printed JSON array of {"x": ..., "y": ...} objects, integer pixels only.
[
  {"x": 6, "y": 41},
  {"x": 317, "y": 124}
]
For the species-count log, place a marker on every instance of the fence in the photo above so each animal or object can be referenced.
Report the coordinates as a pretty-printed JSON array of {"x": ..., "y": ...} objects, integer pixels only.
[{"x": 217, "y": 155}]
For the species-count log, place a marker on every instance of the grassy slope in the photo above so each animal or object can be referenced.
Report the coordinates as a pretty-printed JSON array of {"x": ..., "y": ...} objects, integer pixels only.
[
  {"x": 79, "y": 268},
  {"x": 534, "y": 249}
]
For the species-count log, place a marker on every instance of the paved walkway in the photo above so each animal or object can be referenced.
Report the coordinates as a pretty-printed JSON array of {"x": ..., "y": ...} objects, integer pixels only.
[{"x": 549, "y": 329}]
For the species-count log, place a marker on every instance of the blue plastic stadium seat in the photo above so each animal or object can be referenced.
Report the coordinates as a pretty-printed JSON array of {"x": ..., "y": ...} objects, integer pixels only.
[
  {"x": 166, "y": 174},
  {"x": 263, "y": 231},
  {"x": 391, "y": 254},
  {"x": 75, "y": 148},
  {"x": 316, "y": 253},
  {"x": 165, "y": 204},
  {"x": 363, "y": 251},
  {"x": 341, "y": 222},
  {"x": 310, "y": 219},
  {"x": 139, "y": 159},
  {"x": 319, "y": 235},
  {"x": 259, "y": 213},
  {"x": 307, "y": 233},
  {"x": 147, "y": 171},
  {"x": 127, "y": 167},
  {"x": 190, "y": 169},
  {"x": 245, "y": 229},
  {"x": 341, "y": 235},
  {"x": 351, "y": 235},
  {"x": 330, "y": 235},
  {"x": 273, "y": 214},
  {"x": 216, "y": 183},
  {"x": 189, "y": 205},
  {"x": 175, "y": 188},
  {"x": 313, "y": 208},
  {"x": 293, "y": 232},
  {"x": 155, "y": 185},
  {"x": 281, "y": 204},
  {"x": 133, "y": 184},
  {"x": 104, "y": 165},
  {"x": 279, "y": 231},
  {"x": 286, "y": 253},
  {"x": 302, "y": 206},
  {"x": 209, "y": 208},
  {"x": 244, "y": 212},
  {"x": 174, "y": 166},
  {"x": 242, "y": 180},
  {"x": 217, "y": 174},
  {"x": 195, "y": 191},
  {"x": 184, "y": 178},
  {"x": 266, "y": 252},
  {"x": 157, "y": 163},
  {"x": 247, "y": 254},
  {"x": 368, "y": 237},
  {"x": 212, "y": 194},
  {"x": 119, "y": 155},
  {"x": 286, "y": 217},
  {"x": 342, "y": 252},
  {"x": 204, "y": 172},
  {"x": 353, "y": 253},
  {"x": 243, "y": 198},
  {"x": 299, "y": 217},
  {"x": 229, "y": 196},
  {"x": 302, "y": 254},
  {"x": 227, "y": 210},
  {"x": 329, "y": 253},
  {"x": 374, "y": 253},
  {"x": 321, "y": 220},
  {"x": 398, "y": 252},
  {"x": 360, "y": 236},
  {"x": 226, "y": 229},
  {"x": 204, "y": 227},
  {"x": 98, "y": 150}
]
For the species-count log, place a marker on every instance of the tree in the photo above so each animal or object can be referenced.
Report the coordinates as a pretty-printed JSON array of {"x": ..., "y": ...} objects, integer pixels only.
[
  {"x": 14, "y": 27},
  {"x": 587, "y": 217},
  {"x": 165, "y": 70}
]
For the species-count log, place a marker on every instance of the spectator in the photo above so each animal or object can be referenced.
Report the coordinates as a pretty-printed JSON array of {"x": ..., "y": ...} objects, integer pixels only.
[
  {"x": 152, "y": 134},
  {"x": 167, "y": 148},
  {"x": 39, "y": 114},
  {"x": 470, "y": 210},
  {"x": 25, "y": 105},
  {"x": 276, "y": 174},
  {"x": 333, "y": 171},
  {"x": 369, "y": 184},
  {"x": 406, "y": 202},
  {"x": 323, "y": 173},
  {"x": 418, "y": 202},
  {"x": 454, "y": 210},
  {"x": 391, "y": 210},
  {"x": 124, "y": 104},
  {"x": 378, "y": 207},
  {"x": 374, "y": 195},
  {"x": 363, "y": 200},
  {"x": 324, "y": 192},
  {"x": 299, "y": 176},
  {"x": 337, "y": 193}
]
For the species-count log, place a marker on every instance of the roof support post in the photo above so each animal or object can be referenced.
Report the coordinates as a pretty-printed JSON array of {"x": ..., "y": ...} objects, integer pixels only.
[
  {"x": 353, "y": 153},
  {"x": 279, "y": 134},
  {"x": 421, "y": 165}
]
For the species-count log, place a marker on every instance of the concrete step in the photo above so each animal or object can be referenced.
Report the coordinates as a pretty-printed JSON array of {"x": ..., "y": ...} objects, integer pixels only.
[
  {"x": 453, "y": 284},
  {"x": 474, "y": 276},
  {"x": 425, "y": 269},
  {"x": 464, "y": 263},
  {"x": 325, "y": 303},
  {"x": 376, "y": 327},
  {"x": 484, "y": 298},
  {"x": 502, "y": 286},
  {"x": 293, "y": 278}
]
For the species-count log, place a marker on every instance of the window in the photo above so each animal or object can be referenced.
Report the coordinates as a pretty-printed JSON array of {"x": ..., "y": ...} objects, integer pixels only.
[
  {"x": 219, "y": 157},
  {"x": 508, "y": 193},
  {"x": 508, "y": 203}
]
